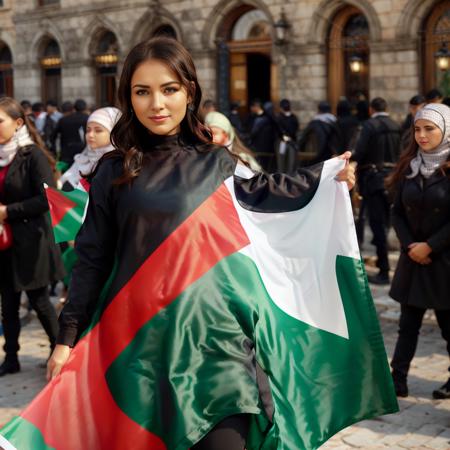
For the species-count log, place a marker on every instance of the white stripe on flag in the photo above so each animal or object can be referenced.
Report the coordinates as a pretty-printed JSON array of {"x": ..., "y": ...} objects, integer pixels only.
[{"x": 296, "y": 251}]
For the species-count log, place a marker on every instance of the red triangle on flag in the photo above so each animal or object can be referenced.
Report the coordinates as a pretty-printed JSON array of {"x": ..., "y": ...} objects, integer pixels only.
[{"x": 59, "y": 205}]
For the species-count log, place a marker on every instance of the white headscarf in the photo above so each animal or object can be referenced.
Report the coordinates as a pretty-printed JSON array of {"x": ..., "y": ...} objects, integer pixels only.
[
  {"x": 8, "y": 151},
  {"x": 85, "y": 161},
  {"x": 427, "y": 162}
]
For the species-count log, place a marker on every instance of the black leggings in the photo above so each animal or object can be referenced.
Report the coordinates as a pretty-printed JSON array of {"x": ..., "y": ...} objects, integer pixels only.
[
  {"x": 230, "y": 434},
  {"x": 40, "y": 301},
  {"x": 408, "y": 335}
]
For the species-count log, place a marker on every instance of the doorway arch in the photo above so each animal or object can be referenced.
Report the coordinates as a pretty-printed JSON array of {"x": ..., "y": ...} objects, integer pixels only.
[{"x": 245, "y": 68}]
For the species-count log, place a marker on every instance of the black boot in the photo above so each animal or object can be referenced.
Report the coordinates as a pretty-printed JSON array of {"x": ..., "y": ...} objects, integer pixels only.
[
  {"x": 10, "y": 365},
  {"x": 443, "y": 392},
  {"x": 400, "y": 384}
]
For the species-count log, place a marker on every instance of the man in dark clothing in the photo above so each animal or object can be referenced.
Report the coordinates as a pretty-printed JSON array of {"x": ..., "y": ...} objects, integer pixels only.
[
  {"x": 416, "y": 102},
  {"x": 288, "y": 126},
  {"x": 321, "y": 137},
  {"x": 348, "y": 125},
  {"x": 71, "y": 129},
  {"x": 262, "y": 135},
  {"x": 235, "y": 118},
  {"x": 376, "y": 153}
]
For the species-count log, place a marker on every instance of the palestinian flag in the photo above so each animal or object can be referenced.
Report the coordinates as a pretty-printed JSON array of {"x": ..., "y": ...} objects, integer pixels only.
[
  {"x": 248, "y": 274},
  {"x": 66, "y": 212}
]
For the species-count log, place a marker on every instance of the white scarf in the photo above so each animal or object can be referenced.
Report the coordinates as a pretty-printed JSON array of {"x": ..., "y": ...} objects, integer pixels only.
[
  {"x": 8, "y": 151},
  {"x": 427, "y": 162},
  {"x": 84, "y": 163}
]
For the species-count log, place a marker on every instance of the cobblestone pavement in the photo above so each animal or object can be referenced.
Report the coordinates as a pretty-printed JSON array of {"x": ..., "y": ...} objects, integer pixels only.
[{"x": 421, "y": 424}]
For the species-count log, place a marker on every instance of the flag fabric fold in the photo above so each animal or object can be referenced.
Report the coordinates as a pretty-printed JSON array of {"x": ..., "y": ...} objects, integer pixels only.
[{"x": 250, "y": 274}]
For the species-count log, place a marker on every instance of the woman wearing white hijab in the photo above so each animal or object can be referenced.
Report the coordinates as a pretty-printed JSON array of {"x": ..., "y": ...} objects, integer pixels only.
[
  {"x": 98, "y": 131},
  {"x": 421, "y": 218},
  {"x": 224, "y": 134}
]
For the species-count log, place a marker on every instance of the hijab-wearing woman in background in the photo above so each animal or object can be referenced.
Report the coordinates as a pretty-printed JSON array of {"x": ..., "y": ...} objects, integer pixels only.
[
  {"x": 98, "y": 131},
  {"x": 421, "y": 218},
  {"x": 164, "y": 171},
  {"x": 224, "y": 134},
  {"x": 33, "y": 261}
]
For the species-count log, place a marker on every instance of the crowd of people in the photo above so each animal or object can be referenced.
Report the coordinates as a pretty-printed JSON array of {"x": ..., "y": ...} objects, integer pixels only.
[{"x": 403, "y": 178}]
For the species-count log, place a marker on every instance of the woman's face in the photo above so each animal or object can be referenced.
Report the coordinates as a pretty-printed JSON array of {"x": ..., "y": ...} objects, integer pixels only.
[
  {"x": 158, "y": 98},
  {"x": 219, "y": 136},
  {"x": 8, "y": 127},
  {"x": 427, "y": 134},
  {"x": 97, "y": 135}
]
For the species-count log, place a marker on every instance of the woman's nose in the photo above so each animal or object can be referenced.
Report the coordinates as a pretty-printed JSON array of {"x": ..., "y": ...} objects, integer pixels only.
[{"x": 157, "y": 102}]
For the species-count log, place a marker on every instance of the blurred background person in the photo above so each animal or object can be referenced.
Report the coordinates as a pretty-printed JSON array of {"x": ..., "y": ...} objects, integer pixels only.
[
  {"x": 434, "y": 96},
  {"x": 288, "y": 126},
  {"x": 377, "y": 151},
  {"x": 415, "y": 103},
  {"x": 33, "y": 261},
  {"x": 348, "y": 125},
  {"x": 71, "y": 131},
  {"x": 224, "y": 134},
  {"x": 98, "y": 130},
  {"x": 321, "y": 136}
]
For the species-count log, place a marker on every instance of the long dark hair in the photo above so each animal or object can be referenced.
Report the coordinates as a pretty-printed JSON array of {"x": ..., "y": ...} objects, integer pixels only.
[
  {"x": 402, "y": 167},
  {"x": 12, "y": 108},
  {"x": 128, "y": 135}
]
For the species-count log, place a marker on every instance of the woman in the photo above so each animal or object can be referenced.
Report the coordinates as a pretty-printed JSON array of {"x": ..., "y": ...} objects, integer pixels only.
[
  {"x": 224, "y": 134},
  {"x": 164, "y": 170},
  {"x": 33, "y": 261},
  {"x": 98, "y": 130},
  {"x": 421, "y": 218}
]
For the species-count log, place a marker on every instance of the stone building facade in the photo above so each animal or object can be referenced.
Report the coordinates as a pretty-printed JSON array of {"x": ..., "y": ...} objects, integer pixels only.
[{"x": 67, "y": 49}]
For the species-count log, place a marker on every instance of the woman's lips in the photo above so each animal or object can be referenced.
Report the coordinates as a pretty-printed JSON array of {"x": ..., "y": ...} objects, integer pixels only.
[{"x": 158, "y": 119}]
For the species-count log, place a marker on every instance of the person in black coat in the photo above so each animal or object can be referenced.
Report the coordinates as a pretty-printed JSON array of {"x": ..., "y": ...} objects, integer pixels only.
[
  {"x": 348, "y": 125},
  {"x": 33, "y": 261},
  {"x": 71, "y": 129},
  {"x": 377, "y": 151},
  {"x": 421, "y": 218}
]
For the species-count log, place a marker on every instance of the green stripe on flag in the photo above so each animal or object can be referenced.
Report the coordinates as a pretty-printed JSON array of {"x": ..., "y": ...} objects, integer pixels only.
[
  {"x": 24, "y": 435},
  {"x": 189, "y": 366}
]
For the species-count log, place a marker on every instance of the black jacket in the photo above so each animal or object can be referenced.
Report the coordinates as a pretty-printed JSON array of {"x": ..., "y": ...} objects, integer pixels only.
[
  {"x": 288, "y": 125},
  {"x": 263, "y": 134},
  {"x": 321, "y": 138},
  {"x": 34, "y": 258},
  {"x": 71, "y": 130},
  {"x": 379, "y": 142},
  {"x": 421, "y": 213}
]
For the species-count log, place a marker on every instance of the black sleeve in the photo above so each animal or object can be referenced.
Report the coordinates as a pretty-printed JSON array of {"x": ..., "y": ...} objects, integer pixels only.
[
  {"x": 40, "y": 172},
  {"x": 362, "y": 146},
  {"x": 278, "y": 192},
  {"x": 95, "y": 249},
  {"x": 399, "y": 220}
]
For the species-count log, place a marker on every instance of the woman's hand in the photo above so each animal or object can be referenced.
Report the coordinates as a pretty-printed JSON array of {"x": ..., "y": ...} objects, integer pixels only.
[
  {"x": 420, "y": 252},
  {"x": 347, "y": 174},
  {"x": 3, "y": 213},
  {"x": 57, "y": 360}
]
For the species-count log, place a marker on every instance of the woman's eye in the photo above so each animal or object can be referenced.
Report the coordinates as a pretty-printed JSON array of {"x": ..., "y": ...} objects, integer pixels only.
[
  {"x": 141, "y": 92},
  {"x": 170, "y": 90}
]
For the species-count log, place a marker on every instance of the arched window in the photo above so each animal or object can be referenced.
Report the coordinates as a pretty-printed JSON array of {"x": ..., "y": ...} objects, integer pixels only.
[
  {"x": 106, "y": 57},
  {"x": 165, "y": 30},
  {"x": 244, "y": 53},
  {"x": 348, "y": 56},
  {"x": 436, "y": 33},
  {"x": 51, "y": 71},
  {"x": 6, "y": 71}
]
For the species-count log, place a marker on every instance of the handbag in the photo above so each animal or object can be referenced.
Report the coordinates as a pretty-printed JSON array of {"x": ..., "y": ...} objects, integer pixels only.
[{"x": 6, "y": 237}]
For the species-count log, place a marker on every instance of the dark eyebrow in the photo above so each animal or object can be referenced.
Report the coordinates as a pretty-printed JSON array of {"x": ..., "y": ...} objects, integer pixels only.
[{"x": 145, "y": 86}]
